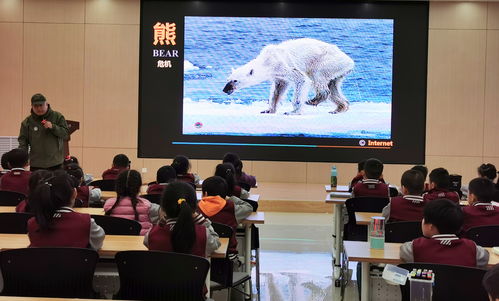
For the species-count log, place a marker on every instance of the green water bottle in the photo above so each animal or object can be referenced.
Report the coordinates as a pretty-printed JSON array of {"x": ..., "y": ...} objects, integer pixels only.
[{"x": 334, "y": 177}]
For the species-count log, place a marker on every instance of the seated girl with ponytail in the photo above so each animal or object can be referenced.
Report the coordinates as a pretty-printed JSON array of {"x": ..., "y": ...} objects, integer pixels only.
[
  {"x": 55, "y": 224},
  {"x": 87, "y": 195},
  {"x": 228, "y": 173},
  {"x": 128, "y": 204},
  {"x": 180, "y": 228},
  {"x": 182, "y": 166},
  {"x": 35, "y": 178}
]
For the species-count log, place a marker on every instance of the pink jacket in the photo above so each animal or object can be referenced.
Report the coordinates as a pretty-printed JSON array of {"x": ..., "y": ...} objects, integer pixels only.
[{"x": 125, "y": 210}]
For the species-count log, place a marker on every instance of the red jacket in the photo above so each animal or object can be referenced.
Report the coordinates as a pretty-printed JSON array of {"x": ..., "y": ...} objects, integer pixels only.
[
  {"x": 406, "y": 208},
  {"x": 371, "y": 188},
  {"x": 83, "y": 194},
  {"x": 112, "y": 173},
  {"x": 480, "y": 214},
  {"x": 68, "y": 229},
  {"x": 156, "y": 188},
  {"x": 445, "y": 249},
  {"x": 438, "y": 193},
  {"x": 160, "y": 238},
  {"x": 16, "y": 180}
]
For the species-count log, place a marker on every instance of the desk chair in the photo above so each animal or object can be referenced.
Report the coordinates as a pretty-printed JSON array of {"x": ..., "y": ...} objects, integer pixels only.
[
  {"x": 117, "y": 225},
  {"x": 401, "y": 232},
  {"x": 14, "y": 223},
  {"x": 104, "y": 185},
  {"x": 10, "y": 198},
  {"x": 153, "y": 198},
  {"x": 48, "y": 272},
  {"x": 451, "y": 282},
  {"x": 352, "y": 231},
  {"x": 222, "y": 274},
  {"x": 154, "y": 275},
  {"x": 485, "y": 236}
]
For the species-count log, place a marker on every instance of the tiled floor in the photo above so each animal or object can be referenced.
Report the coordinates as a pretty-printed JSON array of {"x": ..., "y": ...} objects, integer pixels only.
[{"x": 295, "y": 258}]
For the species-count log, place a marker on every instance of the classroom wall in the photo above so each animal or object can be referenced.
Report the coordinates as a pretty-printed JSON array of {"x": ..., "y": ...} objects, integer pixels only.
[{"x": 83, "y": 55}]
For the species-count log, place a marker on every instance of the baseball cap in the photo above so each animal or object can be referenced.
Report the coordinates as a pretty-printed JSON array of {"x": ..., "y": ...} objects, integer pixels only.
[{"x": 38, "y": 99}]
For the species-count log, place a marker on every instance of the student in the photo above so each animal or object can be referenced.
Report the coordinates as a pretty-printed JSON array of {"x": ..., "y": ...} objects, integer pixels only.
[
  {"x": 408, "y": 207},
  {"x": 424, "y": 170},
  {"x": 87, "y": 195},
  {"x": 88, "y": 178},
  {"x": 480, "y": 212},
  {"x": 120, "y": 163},
  {"x": 180, "y": 228},
  {"x": 488, "y": 171},
  {"x": 165, "y": 175},
  {"x": 228, "y": 173},
  {"x": 37, "y": 176},
  {"x": 242, "y": 178},
  {"x": 442, "y": 220},
  {"x": 215, "y": 206},
  {"x": 18, "y": 177},
  {"x": 182, "y": 166},
  {"x": 490, "y": 282},
  {"x": 439, "y": 186},
  {"x": 128, "y": 204},
  {"x": 5, "y": 164},
  {"x": 55, "y": 224},
  {"x": 371, "y": 186}
]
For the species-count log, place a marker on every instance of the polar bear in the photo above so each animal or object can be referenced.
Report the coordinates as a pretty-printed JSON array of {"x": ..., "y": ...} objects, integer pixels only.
[{"x": 304, "y": 63}]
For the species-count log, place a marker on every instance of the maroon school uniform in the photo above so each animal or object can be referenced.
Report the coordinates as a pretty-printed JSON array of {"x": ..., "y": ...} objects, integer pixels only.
[
  {"x": 480, "y": 214},
  {"x": 247, "y": 179},
  {"x": 83, "y": 194},
  {"x": 188, "y": 177},
  {"x": 371, "y": 188},
  {"x": 160, "y": 238},
  {"x": 237, "y": 191},
  {"x": 406, "y": 208},
  {"x": 112, "y": 173},
  {"x": 438, "y": 193},
  {"x": 67, "y": 229},
  {"x": 225, "y": 215},
  {"x": 16, "y": 180},
  {"x": 156, "y": 188},
  {"x": 445, "y": 249}
]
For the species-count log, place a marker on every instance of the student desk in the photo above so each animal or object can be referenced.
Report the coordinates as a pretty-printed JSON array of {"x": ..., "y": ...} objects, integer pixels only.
[
  {"x": 112, "y": 244},
  {"x": 364, "y": 218},
  {"x": 339, "y": 188},
  {"x": 359, "y": 251},
  {"x": 112, "y": 194}
]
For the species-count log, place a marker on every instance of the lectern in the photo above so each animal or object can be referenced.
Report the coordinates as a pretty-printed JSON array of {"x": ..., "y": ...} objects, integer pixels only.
[{"x": 72, "y": 126}]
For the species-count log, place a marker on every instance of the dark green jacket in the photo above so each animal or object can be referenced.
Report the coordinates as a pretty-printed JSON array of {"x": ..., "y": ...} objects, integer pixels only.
[{"x": 46, "y": 146}]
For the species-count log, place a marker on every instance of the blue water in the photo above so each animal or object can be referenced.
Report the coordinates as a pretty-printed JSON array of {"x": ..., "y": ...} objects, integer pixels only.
[{"x": 218, "y": 44}]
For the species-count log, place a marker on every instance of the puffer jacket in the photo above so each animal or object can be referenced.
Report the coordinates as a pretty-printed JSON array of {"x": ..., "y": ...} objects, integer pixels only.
[{"x": 125, "y": 210}]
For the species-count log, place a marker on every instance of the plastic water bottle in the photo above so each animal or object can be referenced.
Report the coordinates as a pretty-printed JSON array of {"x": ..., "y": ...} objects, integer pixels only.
[{"x": 334, "y": 176}]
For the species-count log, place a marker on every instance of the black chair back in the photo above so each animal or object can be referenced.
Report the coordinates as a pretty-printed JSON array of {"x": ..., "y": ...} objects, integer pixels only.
[
  {"x": 153, "y": 275},
  {"x": 485, "y": 236},
  {"x": 353, "y": 231},
  {"x": 451, "y": 282},
  {"x": 401, "y": 232},
  {"x": 222, "y": 230},
  {"x": 117, "y": 225},
  {"x": 14, "y": 223},
  {"x": 10, "y": 198},
  {"x": 104, "y": 185},
  {"x": 153, "y": 198},
  {"x": 48, "y": 272}
]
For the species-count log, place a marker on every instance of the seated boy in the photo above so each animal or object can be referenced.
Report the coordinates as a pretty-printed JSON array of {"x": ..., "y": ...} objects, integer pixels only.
[
  {"x": 490, "y": 282},
  {"x": 408, "y": 207},
  {"x": 424, "y": 171},
  {"x": 5, "y": 164},
  {"x": 120, "y": 163},
  {"x": 480, "y": 212},
  {"x": 218, "y": 209},
  {"x": 371, "y": 186},
  {"x": 442, "y": 220},
  {"x": 164, "y": 175},
  {"x": 17, "y": 178},
  {"x": 439, "y": 186}
]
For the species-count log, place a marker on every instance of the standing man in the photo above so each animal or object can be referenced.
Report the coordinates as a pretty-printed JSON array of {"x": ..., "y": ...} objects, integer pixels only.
[{"x": 44, "y": 132}]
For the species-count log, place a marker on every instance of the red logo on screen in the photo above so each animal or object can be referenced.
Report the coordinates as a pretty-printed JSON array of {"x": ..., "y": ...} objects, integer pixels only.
[{"x": 164, "y": 33}]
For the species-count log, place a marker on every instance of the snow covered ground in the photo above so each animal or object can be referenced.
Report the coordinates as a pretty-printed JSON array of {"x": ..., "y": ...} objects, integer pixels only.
[{"x": 362, "y": 120}]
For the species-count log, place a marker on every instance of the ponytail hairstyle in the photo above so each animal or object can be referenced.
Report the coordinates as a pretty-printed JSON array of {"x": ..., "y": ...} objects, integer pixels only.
[
  {"x": 236, "y": 161},
  {"x": 49, "y": 195},
  {"x": 128, "y": 185},
  {"x": 76, "y": 174},
  {"x": 181, "y": 164},
  {"x": 179, "y": 202},
  {"x": 227, "y": 171}
]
